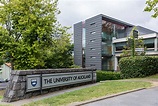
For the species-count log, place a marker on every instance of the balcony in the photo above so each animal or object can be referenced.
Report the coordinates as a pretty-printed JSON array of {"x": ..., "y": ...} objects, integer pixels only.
[{"x": 107, "y": 52}]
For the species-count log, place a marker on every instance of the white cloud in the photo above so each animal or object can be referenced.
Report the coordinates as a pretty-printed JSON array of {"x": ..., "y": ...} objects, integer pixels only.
[{"x": 130, "y": 11}]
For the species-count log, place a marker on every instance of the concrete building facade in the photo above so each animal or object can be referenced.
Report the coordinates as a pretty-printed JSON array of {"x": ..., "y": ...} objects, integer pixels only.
[
  {"x": 5, "y": 71},
  {"x": 99, "y": 41}
]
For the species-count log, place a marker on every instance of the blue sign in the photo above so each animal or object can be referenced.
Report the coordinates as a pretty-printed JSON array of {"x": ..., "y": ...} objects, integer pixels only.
[{"x": 33, "y": 82}]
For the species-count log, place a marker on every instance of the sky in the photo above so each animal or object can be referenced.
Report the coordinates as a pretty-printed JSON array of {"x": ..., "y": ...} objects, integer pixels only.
[{"x": 130, "y": 11}]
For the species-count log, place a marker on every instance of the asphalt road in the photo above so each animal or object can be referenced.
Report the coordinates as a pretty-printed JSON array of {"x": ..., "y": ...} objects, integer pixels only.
[
  {"x": 146, "y": 97},
  {"x": 3, "y": 85}
]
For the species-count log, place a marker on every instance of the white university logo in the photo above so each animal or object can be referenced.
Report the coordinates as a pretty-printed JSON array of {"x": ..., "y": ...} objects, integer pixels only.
[{"x": 33, "y": 82}]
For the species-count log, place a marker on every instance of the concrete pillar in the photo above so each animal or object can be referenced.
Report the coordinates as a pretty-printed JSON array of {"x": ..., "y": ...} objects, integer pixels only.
[
  {"x": 113, "y": 46},
  {"x": 115, "y": 63},
  {"x": 155, "y": 44}
]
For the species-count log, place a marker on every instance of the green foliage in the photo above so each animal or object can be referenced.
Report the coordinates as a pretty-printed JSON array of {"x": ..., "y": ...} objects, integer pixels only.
[
  {"x": 75, "y": 66},
  {"x": 152, "y": 5},
  {"x": 107, "y": 75},
  {"x": 30, "y": 35},
  {"x": 155, "y": 76},
  {"x": 61, "y": 55},
  {"x": 1, "y": 61},
  {"x": 139, "y": 66},
  {"x": 1, "y": 97},
  {"x": 132, "y": 44}
]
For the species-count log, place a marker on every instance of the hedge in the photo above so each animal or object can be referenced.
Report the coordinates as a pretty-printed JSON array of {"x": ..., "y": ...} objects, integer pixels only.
[
  {"x": 139, "y": 66},
  {"x": 107, "y": 75}
]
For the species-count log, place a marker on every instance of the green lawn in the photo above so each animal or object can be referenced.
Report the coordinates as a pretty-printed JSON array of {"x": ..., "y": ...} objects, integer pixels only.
[
  {"x": 103, "y": 89},
  {"x": 1, "y": 96},
  {"x": 153, "y": 77},
  {"x": 5, "y": 105}
]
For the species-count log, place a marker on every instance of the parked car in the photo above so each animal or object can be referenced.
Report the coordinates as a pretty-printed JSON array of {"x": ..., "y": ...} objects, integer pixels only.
[{"x": 3, "y": 80}]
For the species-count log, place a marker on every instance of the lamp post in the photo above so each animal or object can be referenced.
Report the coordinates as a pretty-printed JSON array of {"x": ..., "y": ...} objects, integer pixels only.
[{"x": 135, "y": 35}]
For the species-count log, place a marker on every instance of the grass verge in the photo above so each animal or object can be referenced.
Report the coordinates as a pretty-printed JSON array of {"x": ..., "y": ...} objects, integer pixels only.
[
  {"x": 152, "y": 77},
  {"x": 103, "y": 89},
  {"x": 1, "y": 94}
]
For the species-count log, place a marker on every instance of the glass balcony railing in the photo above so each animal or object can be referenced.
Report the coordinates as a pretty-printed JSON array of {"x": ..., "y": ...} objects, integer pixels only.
[
  {"x": 107, "y": 50},
  {"x": 106, "y": 37}
]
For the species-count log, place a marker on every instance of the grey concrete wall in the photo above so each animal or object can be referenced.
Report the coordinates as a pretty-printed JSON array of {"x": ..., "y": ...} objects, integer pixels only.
[
  {"x": 17, "y": 86},
  {"x": 143, "y": 31},
  {"x": 93, "y": 32},
  {"x": 78, "y": 44}
]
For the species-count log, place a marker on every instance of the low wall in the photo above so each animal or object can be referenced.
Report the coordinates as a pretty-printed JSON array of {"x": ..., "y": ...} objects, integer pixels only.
[{"x": 27, "y": 83}]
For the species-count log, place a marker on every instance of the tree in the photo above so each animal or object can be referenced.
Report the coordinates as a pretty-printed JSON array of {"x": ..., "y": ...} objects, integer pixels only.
[
  {"x": 28, "y": 30},
  {"x": 61, "y": 55},
  {"x": 152, "y": 5},
  {"x": 132, "y": 44}
]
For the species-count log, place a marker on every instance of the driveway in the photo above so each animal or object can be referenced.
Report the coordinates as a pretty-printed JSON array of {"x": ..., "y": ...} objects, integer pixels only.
[{"x": 146, "y": 97}]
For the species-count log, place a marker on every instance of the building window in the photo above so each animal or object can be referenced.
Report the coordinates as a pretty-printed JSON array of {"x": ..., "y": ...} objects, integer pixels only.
[
  {"x": 120, "y": 31},
  {"x": 92, "y": 48},
  {"x": 92, "y": 64},
  {"x": 92, "y": 57},
  {"x": 120, "y": 46},
  {"x": 83, "y": 37},
  {"x": 92, "y": 23},
  {"x": 149, "y": 43},
  {"x": 92, "y": 40},
  {"x": 93, "y": 32}
]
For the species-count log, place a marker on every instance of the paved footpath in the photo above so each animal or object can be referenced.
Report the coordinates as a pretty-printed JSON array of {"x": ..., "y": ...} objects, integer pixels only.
[{"x": 146, "y": 97}]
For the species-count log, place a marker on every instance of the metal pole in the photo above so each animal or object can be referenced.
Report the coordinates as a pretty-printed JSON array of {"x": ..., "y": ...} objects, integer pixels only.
[
  {"x": 92, "y": 76},
  {"x": 41, "y": 82},
  {"x": 133, "y": 46}
]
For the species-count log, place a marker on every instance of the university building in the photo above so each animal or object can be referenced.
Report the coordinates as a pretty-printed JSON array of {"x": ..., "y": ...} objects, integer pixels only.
[{"x": 99, "y": 41}]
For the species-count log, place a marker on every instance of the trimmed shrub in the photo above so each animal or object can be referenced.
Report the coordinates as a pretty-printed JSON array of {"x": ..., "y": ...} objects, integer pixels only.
[
  {"x": 139, "y": 66},
  {"x": 107, "y": 75}
]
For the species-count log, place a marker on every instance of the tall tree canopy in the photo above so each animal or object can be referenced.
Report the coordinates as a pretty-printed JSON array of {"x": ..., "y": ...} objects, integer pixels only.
[
  {"x": 30, "y": 34},
  {"x": 152, "y": 5}
]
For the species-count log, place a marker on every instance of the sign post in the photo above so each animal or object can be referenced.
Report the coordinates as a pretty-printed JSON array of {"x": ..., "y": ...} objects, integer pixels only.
[{"x": 41, "y": 82}]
